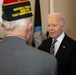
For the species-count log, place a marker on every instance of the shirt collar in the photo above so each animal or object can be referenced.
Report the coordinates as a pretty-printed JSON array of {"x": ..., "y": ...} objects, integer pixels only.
[
  {"x": 60, "y": 38},
  {"x": 16, "y": 36}
]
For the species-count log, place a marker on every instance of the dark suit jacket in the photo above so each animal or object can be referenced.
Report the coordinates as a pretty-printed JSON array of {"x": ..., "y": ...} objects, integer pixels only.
[
  {"x": 17, "y": 58},
  {"x": 66, "y": 55}
]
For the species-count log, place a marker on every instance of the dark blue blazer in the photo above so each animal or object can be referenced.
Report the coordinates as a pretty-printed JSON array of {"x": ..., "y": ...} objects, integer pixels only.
[{"x": 66, "y": 55}]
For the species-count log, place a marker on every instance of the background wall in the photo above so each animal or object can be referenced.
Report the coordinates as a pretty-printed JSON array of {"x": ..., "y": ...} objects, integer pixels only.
[
  {"x": 66, "y": 7},
  {"x": 1, "y": 29}
]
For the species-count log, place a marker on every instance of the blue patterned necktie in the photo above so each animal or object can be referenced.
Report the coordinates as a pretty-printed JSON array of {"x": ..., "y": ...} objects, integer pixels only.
[{"x": 52, "y": 48}]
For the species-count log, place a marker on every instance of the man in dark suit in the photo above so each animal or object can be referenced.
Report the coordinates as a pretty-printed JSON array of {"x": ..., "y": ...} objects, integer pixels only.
[
  {"x": 64, "y": 48},
  {"x": 16, "y": 57}
]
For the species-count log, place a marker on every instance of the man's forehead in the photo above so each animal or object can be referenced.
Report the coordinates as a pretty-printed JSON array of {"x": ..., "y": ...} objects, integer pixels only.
[{"x": 53, "y": 18}]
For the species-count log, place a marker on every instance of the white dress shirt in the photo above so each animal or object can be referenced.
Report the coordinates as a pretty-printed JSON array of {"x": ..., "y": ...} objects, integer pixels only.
[{"x": 57, "y": 44}]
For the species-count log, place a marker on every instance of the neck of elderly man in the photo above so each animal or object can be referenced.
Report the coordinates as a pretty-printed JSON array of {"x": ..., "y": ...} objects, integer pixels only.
[{"x": 20, "y": 28}]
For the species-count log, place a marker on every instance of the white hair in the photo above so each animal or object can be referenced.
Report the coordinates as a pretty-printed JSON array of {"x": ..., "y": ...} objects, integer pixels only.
[
  {"x": 61, "y": 19},
  {"x": 12, "y": 25}
]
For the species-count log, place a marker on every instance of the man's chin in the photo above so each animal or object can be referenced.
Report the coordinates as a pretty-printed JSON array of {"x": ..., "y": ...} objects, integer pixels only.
[{"x": 52, "y": 36}]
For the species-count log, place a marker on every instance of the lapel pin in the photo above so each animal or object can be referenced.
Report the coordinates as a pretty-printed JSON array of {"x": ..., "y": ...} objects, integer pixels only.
[{"x": 63, "y": 46}]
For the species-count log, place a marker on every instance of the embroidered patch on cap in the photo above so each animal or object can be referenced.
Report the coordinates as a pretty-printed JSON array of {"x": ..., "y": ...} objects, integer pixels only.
[{"x": 16, "y": 9}]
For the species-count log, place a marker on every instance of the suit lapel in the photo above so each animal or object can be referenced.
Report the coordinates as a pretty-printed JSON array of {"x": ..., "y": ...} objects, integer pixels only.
[
  {"x": 49, "y": 44},
  {"x": 62, "y": 47}
]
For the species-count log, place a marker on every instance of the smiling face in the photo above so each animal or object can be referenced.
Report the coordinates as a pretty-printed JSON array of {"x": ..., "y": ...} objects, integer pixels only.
[{"x": 55, "y": 25}]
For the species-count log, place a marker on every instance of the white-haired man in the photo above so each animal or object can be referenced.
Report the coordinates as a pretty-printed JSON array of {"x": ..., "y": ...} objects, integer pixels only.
[
  {"x": 16, "y": 57},
  {"x": 64, "y": 48}
]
